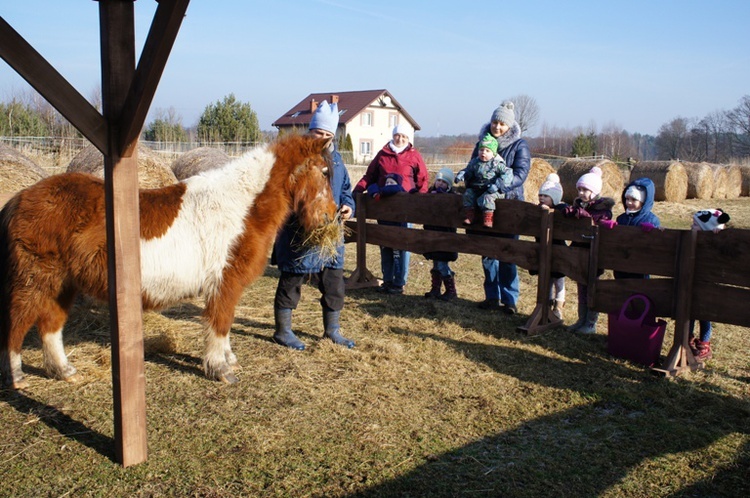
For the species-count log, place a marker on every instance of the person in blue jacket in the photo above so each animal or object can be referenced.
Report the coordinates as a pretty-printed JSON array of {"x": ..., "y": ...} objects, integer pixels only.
[
  {"x": 299, "y": 263},
  {"x": 638, "y": 200},
  {"x": 501, "y": 282}
]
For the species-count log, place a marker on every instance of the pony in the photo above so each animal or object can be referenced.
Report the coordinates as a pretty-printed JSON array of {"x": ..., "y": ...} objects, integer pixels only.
[{"x": 207, "y": 235}]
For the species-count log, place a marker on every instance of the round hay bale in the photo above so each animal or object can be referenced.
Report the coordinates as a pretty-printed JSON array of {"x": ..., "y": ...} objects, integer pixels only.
[
  {"x": 720, "y": 181},
  {"x": 538, "y": 172},
  {"x": 734, "y": 181},
  {"x": 669, "y": 177},
  {"x": 153, "y": 172},
  {"x": 700, "y": 180},
  {"x": 17, "y": 171},
  {"x": 572, "y": 169},
  {"x": 745, "y": 171},
  {"x": 198, "y": 160}
]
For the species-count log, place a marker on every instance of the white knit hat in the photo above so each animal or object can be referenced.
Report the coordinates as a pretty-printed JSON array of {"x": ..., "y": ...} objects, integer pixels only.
[
  {"x": 591, "y": 180},
  {"x": 635, "y": 193},
  {"x": 552, "y": 188}
]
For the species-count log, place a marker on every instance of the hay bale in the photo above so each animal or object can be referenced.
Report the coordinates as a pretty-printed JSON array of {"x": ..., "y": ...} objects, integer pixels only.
[
  {"x": 572, "y": 169},
  {"x": 198, "y": 160},
  {"x": 669, "y": 177},
  {"x": 538, "y": 172},
  {"x": 153, "y": 172},
  {"x": 734, "y": 181},
  {"x": 720, "y": 181},
  {"x": 745, "y": 171},
  {"x": 17, "y": 171},
  {"x": 700, "y": 180}
]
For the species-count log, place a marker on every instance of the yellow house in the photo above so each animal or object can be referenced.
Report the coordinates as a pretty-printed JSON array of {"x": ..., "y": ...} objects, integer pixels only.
[{"x": 367, "y": 117}]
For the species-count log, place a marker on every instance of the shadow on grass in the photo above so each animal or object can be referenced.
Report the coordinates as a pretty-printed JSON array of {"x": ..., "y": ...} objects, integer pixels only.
[
  {"x": 625, "y": 421},
  {"x": 60, "y": 422}
]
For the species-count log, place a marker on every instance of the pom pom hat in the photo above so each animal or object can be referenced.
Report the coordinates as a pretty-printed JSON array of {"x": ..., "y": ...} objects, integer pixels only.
[
  {"x": 489, "y": 142},
  {"x": 505, "y": 113},
  {"x": 552, "y": 188},
  {"x": 709, "y": 219},
  {"x": 326, "y": 117},
  {"x": 591, "y": 180}
]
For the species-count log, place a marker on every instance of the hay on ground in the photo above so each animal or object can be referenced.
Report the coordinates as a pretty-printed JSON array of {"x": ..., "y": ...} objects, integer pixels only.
[
  {"x": 734, "y": 181},
  {"x": 153, "y": 172},
  {"x": 572, "y": 169},
  {"x": 700, "y": 180},
  {"x": 720, "y": 181},
  {"x": 538, "y": 172},
  {"x": 17, "y": 171},
  {"x": 198, "y": 160},
  {"x": 745, "y": 171},
  {"x": 669, "y": 177}
]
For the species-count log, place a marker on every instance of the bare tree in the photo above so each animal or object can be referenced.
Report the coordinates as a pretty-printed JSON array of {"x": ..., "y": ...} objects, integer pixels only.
[
  {"x": 739, "y": 117},
  {"x": 527, "y": 111},
  {"x": 671, "y": 138}
]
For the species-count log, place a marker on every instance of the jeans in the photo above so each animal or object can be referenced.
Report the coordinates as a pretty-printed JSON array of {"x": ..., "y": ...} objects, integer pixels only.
[
  {"x": 705, "y": 330},
  {"x": 443, "y": 267},
  {"x": 500, "y": 281},
  {"x": 395, "y": 265}
]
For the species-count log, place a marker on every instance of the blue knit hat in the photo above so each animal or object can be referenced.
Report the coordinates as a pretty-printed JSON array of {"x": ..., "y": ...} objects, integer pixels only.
[{"x": 326, "y": 117}]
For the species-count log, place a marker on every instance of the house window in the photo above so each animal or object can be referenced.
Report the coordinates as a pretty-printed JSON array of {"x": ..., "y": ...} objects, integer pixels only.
[
  {"x": 366, "y": 119},
  {"x": 392, "y": 119},
  {"x": 365, "y": 148}
]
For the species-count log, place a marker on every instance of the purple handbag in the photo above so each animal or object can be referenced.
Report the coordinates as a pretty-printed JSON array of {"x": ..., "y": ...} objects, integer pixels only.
[{"x": 636, "y": 338}]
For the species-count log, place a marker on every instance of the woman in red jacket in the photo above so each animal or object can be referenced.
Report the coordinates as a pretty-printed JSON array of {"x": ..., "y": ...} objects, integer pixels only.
[{"x": 398, "y": 157}]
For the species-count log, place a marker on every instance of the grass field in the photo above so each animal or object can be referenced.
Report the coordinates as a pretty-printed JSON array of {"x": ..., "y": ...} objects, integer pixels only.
[{"x": 437, "y": 399}]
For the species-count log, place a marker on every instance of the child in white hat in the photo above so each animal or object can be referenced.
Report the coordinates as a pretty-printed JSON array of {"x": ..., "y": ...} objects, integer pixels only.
[
  {"x": 441, "y": 272},
  {"x": 589, "y": 204}
]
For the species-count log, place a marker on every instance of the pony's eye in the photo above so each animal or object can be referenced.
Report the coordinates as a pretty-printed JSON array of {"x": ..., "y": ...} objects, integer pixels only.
[{"x": 325, "y": 170}]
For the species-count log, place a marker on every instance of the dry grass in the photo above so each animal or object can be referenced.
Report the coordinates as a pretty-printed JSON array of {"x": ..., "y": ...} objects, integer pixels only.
[
  {"x": 17, "y": 171},
  {"x": 572, "y": 169},
  {"x": 437, "y": 399},
  {"x": 153, "y": 171},
  {"x": 538, "y": 173},
  {"x": 198, "y": 160},
  {"x": 669, "y": 177}
]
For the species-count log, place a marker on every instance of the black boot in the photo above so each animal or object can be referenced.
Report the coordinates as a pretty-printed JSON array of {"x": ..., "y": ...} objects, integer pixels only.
[
  {"x": 437, "y": 281},
  {"x": 283, "y": 334},
  {"x": 333, "y": 329},
  {"x": 450, "y": 288}
]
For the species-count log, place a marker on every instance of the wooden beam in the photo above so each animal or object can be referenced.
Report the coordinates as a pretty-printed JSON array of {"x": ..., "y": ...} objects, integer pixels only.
[
  {"x": 161, "y": 37},
  {"x": 116, "y": 18},
  {"x": 51, "y": 85}
]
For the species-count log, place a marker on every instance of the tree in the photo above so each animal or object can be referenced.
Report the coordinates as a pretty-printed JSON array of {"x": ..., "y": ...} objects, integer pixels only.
[
  {"x": 584, "y": 145},
  {"x": 739, "y": 117},
  {"x": 527, "y": 111},
  {"x": 671, "y": 138},
  {"x": 18, "y": 119},
  {"x": 228, "y": 121},
  {"x": 166, "y": 127}
]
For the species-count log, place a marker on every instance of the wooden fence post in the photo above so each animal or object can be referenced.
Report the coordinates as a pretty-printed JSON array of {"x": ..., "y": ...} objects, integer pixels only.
[{"x": 361, "y": 276}]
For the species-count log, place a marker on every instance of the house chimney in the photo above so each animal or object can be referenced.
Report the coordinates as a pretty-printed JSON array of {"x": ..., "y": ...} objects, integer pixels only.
[
  {"x": 334, "y": 99},
  {"x": 313, "y": 106}
]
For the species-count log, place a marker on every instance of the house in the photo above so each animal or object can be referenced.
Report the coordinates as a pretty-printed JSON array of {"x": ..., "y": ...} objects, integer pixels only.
[{"x": 367, "y": 117}]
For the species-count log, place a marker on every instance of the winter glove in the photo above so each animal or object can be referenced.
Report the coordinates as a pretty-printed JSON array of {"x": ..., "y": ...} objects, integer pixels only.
[
  {"x": 647, "y": 227},
  {"x": 459, "y": 177},
  {"x": 608, "y": 224},
  {"x": 492, "y": 189}
]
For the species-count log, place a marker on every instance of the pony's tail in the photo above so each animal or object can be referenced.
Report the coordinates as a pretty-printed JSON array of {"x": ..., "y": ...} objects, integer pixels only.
[{"x": 6, "y": 270}]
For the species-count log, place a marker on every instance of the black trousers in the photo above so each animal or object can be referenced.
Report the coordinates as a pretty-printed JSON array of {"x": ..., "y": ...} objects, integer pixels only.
[{"x": 330, "y": 283}]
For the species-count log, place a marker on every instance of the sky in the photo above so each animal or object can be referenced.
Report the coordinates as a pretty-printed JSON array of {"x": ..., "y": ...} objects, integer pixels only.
[{"x": 634, "y": 65}]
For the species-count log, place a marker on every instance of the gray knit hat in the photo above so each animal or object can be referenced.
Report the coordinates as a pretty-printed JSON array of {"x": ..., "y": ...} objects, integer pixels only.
[
  {"x": 552, "y": 188},
  {"x": 505, "y": 113}
]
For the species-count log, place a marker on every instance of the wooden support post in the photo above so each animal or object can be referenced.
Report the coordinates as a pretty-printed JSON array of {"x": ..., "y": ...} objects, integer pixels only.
[
  {"x": 593, "y": 266},
  {"x": 541, "y": 318},
  {"x": 123, "y": 237},
  {"x": 361, "y": 276},
  {"x": 680, "y": 357}
]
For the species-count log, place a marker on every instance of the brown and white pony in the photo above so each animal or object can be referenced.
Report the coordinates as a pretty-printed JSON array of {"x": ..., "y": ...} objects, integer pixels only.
[{"x": 208, "y": 235}]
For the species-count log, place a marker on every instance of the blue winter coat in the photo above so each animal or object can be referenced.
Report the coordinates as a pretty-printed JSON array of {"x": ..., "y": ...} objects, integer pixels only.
[
  {"x": 288, "y": 252},
  {"x": 644, "y": 215},
  {"x": 517, "y": 155}
]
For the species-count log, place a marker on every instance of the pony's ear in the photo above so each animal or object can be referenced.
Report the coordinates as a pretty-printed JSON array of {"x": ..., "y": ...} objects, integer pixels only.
[{"x": 323, "y": 144}]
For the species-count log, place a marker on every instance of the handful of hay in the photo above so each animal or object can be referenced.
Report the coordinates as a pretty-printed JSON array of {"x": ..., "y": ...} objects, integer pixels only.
[{"x": 327, "y": 238}]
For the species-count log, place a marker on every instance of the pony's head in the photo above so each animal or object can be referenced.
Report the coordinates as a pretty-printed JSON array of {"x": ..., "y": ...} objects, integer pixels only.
[{"x": 309, "y": 184}]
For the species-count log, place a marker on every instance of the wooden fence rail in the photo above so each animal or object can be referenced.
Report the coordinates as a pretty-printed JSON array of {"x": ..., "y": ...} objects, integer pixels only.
[{"x": 694, "y": 275}]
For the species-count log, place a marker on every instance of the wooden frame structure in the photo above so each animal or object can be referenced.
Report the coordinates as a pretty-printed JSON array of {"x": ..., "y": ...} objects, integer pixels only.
[
  {"x": 127, "y": 93},
  {"x": 683, "y": 264}
]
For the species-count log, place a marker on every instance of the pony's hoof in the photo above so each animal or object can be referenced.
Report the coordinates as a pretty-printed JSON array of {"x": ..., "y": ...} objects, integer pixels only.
[
  {"x": 74, "y": 379},
  {"x": 229, "y": 378},
  {"x": 18, "y": 384}
]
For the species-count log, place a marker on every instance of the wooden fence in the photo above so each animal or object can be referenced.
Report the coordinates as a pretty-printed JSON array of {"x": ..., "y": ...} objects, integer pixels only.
[{"x": 694, "y": 275}]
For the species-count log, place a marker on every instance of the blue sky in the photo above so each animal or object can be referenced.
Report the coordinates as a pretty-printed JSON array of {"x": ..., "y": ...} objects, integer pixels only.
[{"x": 632, "y": 64}]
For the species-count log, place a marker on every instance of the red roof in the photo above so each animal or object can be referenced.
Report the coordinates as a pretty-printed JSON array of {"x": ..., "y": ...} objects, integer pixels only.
[{"x": 350, "y": 105}]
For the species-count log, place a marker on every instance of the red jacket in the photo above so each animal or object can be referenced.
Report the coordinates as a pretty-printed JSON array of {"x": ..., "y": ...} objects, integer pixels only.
[{"x": 409, "y": 164}]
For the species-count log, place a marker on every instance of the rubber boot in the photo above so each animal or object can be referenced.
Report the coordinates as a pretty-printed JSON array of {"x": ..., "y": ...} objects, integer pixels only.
[
  {"x": 450, "y": 288},
  {"x": 557, "y": 308},
  {"x": 333, "y": 329},
  {"x": 487, "y": 219},
  {"x": 437, "y": 281},
  {"x": 703, "y": 350},
  {"x": 589, "y": 326},
  {"x": 469, "y": 219},
  {"x": 283, "y": 334},
  {"x": 582, "y": 311}
]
